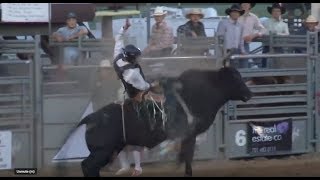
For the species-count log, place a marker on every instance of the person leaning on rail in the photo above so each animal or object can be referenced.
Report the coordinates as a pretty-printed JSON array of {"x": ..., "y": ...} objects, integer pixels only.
[{"x": 71, "y": 55}]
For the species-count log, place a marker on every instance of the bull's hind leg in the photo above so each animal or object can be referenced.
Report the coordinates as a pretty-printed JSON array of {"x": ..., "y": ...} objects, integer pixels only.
[
  {"x": 94, "y": 162},
  {"x": 97, "y": 159}
]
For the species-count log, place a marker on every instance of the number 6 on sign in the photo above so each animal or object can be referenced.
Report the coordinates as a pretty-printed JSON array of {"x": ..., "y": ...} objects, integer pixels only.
[{"x": 240, "y": 138}]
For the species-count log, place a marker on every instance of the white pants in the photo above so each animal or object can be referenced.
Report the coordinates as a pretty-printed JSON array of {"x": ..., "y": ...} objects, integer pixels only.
[{"x": 136, "y": 150}]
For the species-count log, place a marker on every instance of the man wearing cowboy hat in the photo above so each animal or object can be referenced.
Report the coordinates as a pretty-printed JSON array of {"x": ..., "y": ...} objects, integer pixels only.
[
  {"x": 252, "y": 27},
  {"x": 194, "y": 27},
  {"x": 161, "y": 39},
  {"x": 231, "y": 30},
  {"x": 276, "y": 26},
  {"x": 70, "y": 32},
  {"x": 310, "y": 24}
]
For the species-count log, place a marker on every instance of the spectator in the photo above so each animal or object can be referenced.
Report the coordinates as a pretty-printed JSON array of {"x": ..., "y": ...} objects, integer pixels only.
[
  {"x": 310, "y": 24},
  {"x": 161, "y": 39},
  {"x": 252, "y": 27},
  {"x": 276, "y": 26},
  {"x": 71, "y": 55},
  {"x": 194, "y": 27},
  {"x": 231, "y": 30}
]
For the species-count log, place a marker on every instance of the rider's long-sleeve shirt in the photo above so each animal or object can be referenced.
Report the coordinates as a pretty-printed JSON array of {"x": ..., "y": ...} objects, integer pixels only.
[{"x": 133, "y": 75}]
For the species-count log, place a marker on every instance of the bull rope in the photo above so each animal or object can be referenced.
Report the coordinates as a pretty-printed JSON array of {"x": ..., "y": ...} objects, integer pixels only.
[
  {"x": 123, "y": 123},
  {"x": 184, "y": 106},
  {"x": 163, "y": 114}
]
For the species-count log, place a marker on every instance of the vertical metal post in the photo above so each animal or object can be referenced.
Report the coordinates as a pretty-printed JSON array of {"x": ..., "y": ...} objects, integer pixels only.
[
  {"x": 310, "y": 92},
  {"x": 49, "y": 24},
  {"x": 313, "y": 86},
  {"x": 33, "y": 137},
  {"x": 317, "y": 95},
  {"x": 148, "y": 21},
  {"x": 38, "y": 102}
]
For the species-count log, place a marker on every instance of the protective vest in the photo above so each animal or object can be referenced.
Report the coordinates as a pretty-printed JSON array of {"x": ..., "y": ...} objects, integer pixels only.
[{"x": 131, "y": 90}]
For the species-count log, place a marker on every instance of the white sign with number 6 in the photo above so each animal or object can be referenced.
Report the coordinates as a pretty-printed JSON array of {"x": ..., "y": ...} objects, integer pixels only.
[{"x": 240, "y": 138}]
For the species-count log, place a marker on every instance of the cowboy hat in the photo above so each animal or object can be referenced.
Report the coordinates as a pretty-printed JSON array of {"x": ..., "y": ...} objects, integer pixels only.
[
  {"x": 105, "y": 63},
  {"x": 311, "y": 19},
  {"x": 251, "y": 4},
  {"x": 277, "y": 5},
  {"x": 159, "y": 11},
  {"x": 234, "y": 7},
  {"x": 194, "y": 11}
]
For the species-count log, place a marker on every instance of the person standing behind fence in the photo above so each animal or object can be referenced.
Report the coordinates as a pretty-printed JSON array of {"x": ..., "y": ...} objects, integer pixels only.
[
  {"x": 231, "y": 30},
  {"x": 275, "y": 25},
  {"x": 194, "y": 28},
  {"x": 252, "y": 27},
  {"x": 161, "y": 39},
  {"x": 310, "y": 24},
  {"x": 71, "y": 55}
]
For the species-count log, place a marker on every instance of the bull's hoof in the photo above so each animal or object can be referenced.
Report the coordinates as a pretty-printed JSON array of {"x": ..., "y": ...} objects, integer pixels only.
[
  {"x": 89, "y": 172},
  {"x": 187, "y": 175},
  {"x": 122, "y": 171},
  {"x": 178, "y": 164},
  {"x": 137, "y": 172}
]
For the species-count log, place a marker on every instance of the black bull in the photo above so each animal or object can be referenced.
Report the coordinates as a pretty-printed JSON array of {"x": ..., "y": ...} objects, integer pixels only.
[{"x": 204, "y": 93}]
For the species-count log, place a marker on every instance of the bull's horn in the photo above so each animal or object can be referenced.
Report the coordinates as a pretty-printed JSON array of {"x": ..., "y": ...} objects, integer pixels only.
[{"x": 226, "y": 59}]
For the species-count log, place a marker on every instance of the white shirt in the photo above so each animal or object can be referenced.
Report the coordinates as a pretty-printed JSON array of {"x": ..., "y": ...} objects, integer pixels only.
[
  {"x": 119, "y": 42},
  {"x": 276, "y": 26},
  {"x": 232, "y": 33},
  {"x": 131, "y": 76},
  {"x": 251, "y": 24}
]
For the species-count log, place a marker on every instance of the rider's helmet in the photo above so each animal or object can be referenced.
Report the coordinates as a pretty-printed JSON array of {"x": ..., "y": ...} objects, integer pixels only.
[{"x": 131, "y": 53}]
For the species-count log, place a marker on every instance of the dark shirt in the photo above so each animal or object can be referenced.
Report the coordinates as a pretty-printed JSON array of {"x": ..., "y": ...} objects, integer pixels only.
[{"x": 187, "y": 28}]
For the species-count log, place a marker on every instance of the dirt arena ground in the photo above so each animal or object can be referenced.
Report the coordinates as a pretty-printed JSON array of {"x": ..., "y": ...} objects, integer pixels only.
[{"x": 303, "y": 165}]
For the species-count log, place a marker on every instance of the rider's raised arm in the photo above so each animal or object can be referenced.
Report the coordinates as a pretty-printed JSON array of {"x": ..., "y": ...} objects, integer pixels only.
[
  {"x": 119, "y": 39},
  {"x": 119, "y": 42}
]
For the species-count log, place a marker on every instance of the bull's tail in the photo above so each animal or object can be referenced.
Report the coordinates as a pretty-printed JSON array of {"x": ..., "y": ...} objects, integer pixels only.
[{"x": 85, "y": 120}]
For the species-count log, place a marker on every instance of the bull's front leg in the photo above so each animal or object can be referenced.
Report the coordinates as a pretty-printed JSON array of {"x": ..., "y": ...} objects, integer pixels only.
[
  {"x": 186, "y": 154},
  {"x": 184, "y": 106}
]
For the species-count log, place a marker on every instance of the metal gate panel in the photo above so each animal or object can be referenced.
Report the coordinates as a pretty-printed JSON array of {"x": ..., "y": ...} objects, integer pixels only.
[
  {"x": 21, "y": 149},
  {"x": 301, "y": 115},
  {"x": 16, "y": 113},
  {"x": 61, "y": 115},
  {"x": 270, "y": 110},
  {"x": 279, "y": 87},
  {"x": 59, "y": 109}
]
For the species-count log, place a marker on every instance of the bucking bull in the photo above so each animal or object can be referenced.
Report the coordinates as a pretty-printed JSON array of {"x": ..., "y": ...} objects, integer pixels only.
[{"x": 203, "y": 93}]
